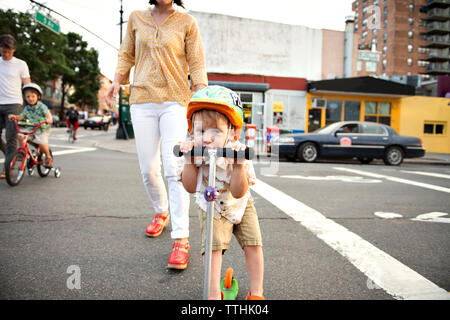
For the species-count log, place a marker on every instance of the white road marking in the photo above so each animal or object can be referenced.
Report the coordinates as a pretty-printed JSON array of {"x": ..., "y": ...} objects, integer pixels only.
[
  {"x": 433, "y": 217},
  {"x": 431, "y": 174},
  {"x": 388, "y": 215},
  {"x": 385, "y": 271},
  {"x": 400, "y": 180},
  {"x": 63, "y": 152},
  {"x": 328, "y": 178}
]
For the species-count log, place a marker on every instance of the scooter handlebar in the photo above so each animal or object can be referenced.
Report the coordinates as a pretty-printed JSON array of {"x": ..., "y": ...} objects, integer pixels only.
[{"x": 248, "y": 153}]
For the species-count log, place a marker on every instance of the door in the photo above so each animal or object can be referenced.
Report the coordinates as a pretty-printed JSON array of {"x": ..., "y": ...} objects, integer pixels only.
[
  {"x": 373, "y": 139},
  {"x": 314, "y": 118},
  {"x": 343, "y": 142}
]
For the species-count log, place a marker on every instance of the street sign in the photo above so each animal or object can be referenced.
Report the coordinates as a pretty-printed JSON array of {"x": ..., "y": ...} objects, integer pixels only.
[{"x": 47, "y": 21}]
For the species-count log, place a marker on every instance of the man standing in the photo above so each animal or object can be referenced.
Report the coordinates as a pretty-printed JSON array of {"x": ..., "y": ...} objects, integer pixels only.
[{"x": 13, "y": 74}]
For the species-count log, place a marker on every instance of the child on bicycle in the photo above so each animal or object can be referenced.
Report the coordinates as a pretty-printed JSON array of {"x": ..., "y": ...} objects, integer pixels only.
[
  {"x": 215, "y": 119},
  {"x": 36, "y": 112}
]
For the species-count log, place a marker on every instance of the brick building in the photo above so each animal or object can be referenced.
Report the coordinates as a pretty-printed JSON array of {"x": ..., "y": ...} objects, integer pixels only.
[{"x": 390, "y": 37}]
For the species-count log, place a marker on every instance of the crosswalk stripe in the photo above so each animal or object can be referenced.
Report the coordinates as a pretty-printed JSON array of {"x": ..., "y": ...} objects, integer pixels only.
[
  {"x": 385, "y": 271},
  {"x": 63, "y": 152},
  {"x": 431, "y": 174},
  {"x": 400, "y": 180}
]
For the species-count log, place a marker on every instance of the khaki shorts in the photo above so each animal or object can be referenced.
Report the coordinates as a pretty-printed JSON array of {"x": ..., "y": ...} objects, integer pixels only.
[
  {"x": 40, "y": 138},
  {"x": 247, "y": 232}
]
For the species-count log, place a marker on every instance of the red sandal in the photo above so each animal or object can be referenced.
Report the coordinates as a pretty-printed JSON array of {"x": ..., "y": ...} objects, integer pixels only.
[
  {"x": 155, "y": 228},
  {"x": 179, "y": 256},
  {"x": 250, "y": 297}
]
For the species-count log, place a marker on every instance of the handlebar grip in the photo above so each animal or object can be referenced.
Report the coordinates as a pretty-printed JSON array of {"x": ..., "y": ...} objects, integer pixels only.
[{"x": 248, "y": 153}]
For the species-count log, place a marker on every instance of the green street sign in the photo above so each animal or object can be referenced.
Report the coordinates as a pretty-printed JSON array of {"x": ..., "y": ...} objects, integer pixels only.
[{"x": 47, "y": 22}]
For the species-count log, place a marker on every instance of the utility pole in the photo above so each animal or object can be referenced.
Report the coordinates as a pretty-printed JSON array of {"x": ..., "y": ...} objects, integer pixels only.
[{"x": 121, "y": 130}]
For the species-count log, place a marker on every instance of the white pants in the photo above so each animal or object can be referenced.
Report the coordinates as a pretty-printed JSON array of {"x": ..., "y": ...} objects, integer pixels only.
[{"x": 157, "y": 128}]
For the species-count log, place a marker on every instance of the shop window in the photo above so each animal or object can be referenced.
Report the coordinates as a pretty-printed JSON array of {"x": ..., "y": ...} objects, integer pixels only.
[
  {"x": 436, "y": 128},
  {"x": 371, "y": 107},
  {"x": 377, "y": 112},
  {"x": 333, "y": 111},
  {"x": 352, "y": 110},
  {"x": 246, "y": 97},
  {"x": 384, "y": 108}
]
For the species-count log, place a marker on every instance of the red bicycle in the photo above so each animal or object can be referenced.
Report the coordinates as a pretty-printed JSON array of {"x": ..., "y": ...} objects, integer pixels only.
[{"x": 27, "y": 156}]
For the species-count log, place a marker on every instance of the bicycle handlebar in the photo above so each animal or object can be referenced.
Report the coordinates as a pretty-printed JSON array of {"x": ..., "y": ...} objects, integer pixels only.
[
  {"x": 26, "y": 124},
  {"x": 248, "y": 153}
]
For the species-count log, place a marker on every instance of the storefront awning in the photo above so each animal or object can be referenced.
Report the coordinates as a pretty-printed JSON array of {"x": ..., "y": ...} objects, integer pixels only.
[{"x": 362, "y": 86}]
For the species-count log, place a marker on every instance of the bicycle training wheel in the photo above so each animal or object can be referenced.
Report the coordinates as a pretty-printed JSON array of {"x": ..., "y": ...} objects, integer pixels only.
[
  {"x": 15, "y": 168},
  {"x": 41, "y": 168}
]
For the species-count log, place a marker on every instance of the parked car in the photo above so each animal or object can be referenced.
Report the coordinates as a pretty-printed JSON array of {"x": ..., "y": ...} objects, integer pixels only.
[
  {"x": 83, "y": 115},
  {"x": 96, "y": 122},
  {"x": 349, "y": 139}
]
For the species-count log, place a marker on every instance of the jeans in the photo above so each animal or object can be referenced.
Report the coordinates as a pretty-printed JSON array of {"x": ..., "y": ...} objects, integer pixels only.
[
  {"x": 10, "y": 128},
  {"x": 157, "y": 128}
]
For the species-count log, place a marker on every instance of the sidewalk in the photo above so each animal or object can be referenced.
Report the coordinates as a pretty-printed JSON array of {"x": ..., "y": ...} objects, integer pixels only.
[
  {"x": 431, "y": 158},
  {"x": 129, "y": 146}
]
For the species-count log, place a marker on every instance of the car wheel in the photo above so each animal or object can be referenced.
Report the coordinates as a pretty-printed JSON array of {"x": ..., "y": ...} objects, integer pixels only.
[
  {"x": 308, "y": 152},
  {"x": 365, "y": 160},
  {"x": 393, "y": 156}
]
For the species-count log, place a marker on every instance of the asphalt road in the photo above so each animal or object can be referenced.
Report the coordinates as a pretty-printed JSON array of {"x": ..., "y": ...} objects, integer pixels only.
[{"x": 328, "y": 231}]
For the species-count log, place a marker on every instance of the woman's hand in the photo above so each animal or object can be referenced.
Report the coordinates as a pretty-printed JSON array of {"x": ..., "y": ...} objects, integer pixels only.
[{"x": 111, "y": 92}]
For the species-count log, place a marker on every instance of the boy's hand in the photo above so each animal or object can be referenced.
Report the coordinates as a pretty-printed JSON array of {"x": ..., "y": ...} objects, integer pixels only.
[
  {"x": 236, "y": 146},
  {"x": 187, "y": 146},
  {"x": 12, "y": 116}
]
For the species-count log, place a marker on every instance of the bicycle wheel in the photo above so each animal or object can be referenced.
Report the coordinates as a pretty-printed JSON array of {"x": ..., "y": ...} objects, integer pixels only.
[
  {"x": 41, "y": 168},
  {"x": 71, "y": 132},
  {"x": 15, "y": 168}
]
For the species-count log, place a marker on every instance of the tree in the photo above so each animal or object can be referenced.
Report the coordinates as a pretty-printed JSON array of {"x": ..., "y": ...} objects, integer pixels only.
[
  {"x": 85, "y": 80},
  {"x": 51, "y": 56},
  {"x": 41, "y": 48}
]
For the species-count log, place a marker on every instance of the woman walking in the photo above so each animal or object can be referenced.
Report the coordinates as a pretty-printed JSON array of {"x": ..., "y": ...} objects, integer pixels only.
[{"x": 163, "y": 44}]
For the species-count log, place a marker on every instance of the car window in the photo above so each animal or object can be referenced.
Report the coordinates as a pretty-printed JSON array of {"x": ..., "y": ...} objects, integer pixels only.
[
  {"x": 350, "y": 128},
  {"x": 372, "y": 128}
]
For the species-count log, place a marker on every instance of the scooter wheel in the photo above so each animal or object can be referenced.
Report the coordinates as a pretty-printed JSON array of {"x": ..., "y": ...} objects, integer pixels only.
[
  {"x": 57, "y": 173},
  {"x": 228, "y": 281}
]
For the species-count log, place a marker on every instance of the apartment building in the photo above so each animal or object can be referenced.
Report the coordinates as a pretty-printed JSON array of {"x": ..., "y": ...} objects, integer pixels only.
[
  {"x": 437, "y": 36},
  {"x": 390, "y": 37}
]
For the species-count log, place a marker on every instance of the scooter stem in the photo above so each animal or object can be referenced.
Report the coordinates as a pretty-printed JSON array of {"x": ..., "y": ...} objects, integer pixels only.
[{"x": 209, "y": 224}]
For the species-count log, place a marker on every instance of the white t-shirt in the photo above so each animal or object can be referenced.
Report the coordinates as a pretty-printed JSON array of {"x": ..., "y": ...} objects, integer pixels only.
[{"x": 11, "y": 74}]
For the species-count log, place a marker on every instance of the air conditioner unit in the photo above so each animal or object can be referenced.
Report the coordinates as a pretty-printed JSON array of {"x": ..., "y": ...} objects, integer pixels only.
[{"x": 319, "y": 103}]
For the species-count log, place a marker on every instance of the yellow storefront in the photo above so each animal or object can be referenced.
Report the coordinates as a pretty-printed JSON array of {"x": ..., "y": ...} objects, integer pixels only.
[
  {"x": 387, "y": 102},
  {"x": 426, "y": 118}
]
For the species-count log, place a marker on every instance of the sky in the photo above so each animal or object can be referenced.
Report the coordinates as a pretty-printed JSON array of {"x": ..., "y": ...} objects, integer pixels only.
[{"x": 101, "y": 17}]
